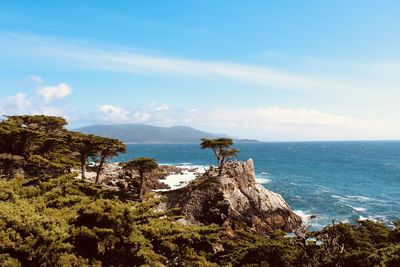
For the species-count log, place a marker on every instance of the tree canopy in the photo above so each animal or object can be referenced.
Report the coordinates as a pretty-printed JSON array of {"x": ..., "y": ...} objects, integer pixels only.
[
  {"x": 106, "y": 148},
  {"x": 40, "y": 145},
  {"x": 222, "y": 150},
  {"x": 142, "y": 166}
]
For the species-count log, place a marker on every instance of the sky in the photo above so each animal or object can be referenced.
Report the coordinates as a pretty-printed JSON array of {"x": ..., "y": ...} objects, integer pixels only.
[{"x": 270, "y": 70}]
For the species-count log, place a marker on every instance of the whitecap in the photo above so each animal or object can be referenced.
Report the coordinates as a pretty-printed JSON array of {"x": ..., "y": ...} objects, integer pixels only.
[
  {"x": 357, "y": 209},
  {"x": 369, "y": 218},
  {"x": 353, "y": 198},
  {"x": 305, "y": 217},
  {"x": 360, "y": 198},
  {"x": 263, "y": 180},
  {"x": 392, "y": 165}
]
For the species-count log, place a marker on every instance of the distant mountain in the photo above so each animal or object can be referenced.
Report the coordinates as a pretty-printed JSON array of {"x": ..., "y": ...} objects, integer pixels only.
[{"x": 142, "y": 133}]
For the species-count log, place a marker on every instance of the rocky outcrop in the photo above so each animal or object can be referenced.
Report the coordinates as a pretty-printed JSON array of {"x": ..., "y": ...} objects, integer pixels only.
[
  {"x": 234, "y": 200},
  {"x": 115, "y": 175}
]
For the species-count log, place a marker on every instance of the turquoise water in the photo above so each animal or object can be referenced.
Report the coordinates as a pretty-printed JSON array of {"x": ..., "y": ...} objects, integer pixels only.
[{"x": 342, "y": 181}]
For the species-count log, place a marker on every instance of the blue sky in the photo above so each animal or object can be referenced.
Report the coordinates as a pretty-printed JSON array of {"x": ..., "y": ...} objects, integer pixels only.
[{"x": 272, "y": 70}]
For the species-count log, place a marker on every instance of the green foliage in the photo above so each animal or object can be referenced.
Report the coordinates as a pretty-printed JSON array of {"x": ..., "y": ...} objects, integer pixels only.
[
  {"x": 142, "y": 166},
  {"x": 40, "y": 145},
  {"x": 35, "y": 145},
  {"x": 67, "y": 222},
  {"x": 50, "y": 218},
  {"x": 105, "y": 148},
  {"x": 222, "y": 150}
]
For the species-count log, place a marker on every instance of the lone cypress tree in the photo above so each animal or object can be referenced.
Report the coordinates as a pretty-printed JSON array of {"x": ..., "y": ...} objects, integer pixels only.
[
  {"x": 222, "y": 150},
  {"x": 142, "y": 166}
]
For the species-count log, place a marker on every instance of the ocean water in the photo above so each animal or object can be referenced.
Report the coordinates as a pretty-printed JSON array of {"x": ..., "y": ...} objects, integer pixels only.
[{"x": 341, "y": 181}]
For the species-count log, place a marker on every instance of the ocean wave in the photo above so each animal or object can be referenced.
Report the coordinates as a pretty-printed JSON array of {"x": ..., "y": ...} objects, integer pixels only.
[
  {"x": 263, "y": 180},
  {"x": 392, "y": 165},
  {"x": 353, "y": 198},
  {"x": 356, "y": 209},
  {"x": 369, "y": 218},
  {"x": 360, "y": 198},
  {"x": 359, "y": 209},
  {"x": 305, "y": 216}
]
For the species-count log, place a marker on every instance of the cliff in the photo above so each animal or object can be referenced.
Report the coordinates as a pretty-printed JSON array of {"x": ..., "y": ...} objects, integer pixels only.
[{"x": 235, "y": 200}]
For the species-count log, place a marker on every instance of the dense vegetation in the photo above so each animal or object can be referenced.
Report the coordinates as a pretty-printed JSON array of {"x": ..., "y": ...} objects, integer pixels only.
[{"x": 50, "y": 218}]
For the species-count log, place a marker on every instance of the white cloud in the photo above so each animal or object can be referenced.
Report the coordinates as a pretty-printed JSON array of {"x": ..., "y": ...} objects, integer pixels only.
[
  {"x": 20, "y": 104},
  {"x": 161, "y": 107},
  {"x": 141, "y": 116},
  {"x": 110, "y": 113},
  {"x": 35, "y": 79},
  {"x": 264, "y": 123},
  {"x": 276, "y": 123},
  {"x": 266, "y": 116},
  {"x": 49, "y": 93},
  {"x": 150, "y": 113},
  {"x": 15, "y": 105},
  {"x": 382, "y": 68}
]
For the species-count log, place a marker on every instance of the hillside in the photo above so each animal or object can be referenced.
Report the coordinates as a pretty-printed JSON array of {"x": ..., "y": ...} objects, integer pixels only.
[{"x": 142, "y": 133}]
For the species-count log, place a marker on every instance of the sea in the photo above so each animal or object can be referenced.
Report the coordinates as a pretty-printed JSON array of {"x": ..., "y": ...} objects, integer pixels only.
[{"x": 326, "y": 181}]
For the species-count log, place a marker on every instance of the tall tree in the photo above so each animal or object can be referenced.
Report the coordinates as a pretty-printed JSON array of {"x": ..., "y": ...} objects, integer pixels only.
[
  {"x": 106, "y": 148},
  {"x": 142, "y": 166},
  {"x": 222, "y": 150},
  {"x": 86, "y": 146},
  {"x": 39, "y": 140}
]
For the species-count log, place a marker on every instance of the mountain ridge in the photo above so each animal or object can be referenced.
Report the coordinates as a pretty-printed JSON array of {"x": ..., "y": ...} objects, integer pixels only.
[{"x": 138, "y": 133}]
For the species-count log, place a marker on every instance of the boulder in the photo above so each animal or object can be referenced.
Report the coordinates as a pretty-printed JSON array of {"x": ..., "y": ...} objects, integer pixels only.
[{"x": 234, "y": 200}]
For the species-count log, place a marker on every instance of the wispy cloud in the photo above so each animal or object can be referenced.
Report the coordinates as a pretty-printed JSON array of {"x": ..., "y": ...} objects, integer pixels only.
[
  {"x": 84, "y": 55},
  {"x": 35, "y": 78},
  {"x": 90, "y": 57}
]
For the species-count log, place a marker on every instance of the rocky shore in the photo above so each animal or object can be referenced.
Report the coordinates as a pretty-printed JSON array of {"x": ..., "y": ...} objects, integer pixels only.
[{"x": 234, "y": 200}]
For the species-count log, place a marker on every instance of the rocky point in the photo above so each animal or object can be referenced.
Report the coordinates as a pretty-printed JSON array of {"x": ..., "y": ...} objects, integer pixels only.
[{"x": 234, "y": 200}]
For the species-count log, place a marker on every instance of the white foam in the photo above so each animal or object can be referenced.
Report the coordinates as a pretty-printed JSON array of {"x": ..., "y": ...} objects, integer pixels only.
[
  {"x": 179, "y": 180},
  {"x": 360, "y": 198},
  {"x": 305, "y": 217},
  {"x": 353, "y": 198},
  {"x": 263, "y": 180},
  {"x": 392, "y": 165},
  {"x": 357, "y": 209},
  {"x": 369, "y": 218}
]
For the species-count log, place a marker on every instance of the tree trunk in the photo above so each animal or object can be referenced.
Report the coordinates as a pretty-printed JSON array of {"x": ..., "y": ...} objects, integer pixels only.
[
  {"x": 83, "y": 166},
  {"x": 99, "y": 169},
  {"x": 140, "y": 191},
  {"x": 221, "y": 167}
]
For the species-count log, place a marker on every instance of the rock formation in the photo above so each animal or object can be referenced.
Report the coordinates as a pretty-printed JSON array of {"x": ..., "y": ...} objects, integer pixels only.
[
  {"x": 234, "y": 200},
  {"x": 114, "y": 175}
]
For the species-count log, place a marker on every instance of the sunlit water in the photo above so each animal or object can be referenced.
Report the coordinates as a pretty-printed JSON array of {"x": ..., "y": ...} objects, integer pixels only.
[{"x": 342, "y": 181}]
